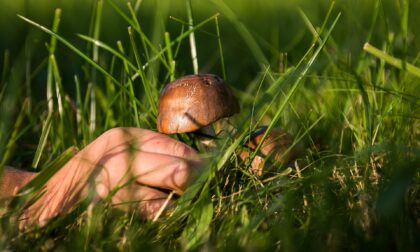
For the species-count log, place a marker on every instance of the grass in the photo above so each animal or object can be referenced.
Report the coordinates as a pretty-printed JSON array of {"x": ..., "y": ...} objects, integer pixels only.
[{"x": 353, "y": 111}]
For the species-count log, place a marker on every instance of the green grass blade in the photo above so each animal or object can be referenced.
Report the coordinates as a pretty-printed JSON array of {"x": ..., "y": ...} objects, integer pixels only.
[
  {"x": 289, "y": 95},
  {"x": 398, "y": 63},
  {"x": 148, "y": 88},
  {"x": 144, "y": 39},
  {"x": 70, "y": 46},
  {"x": 170, "y": 57},
  {"x": 51, "y": 49},
  {"x": 243, "y": 31},
  {"x": 219, "y": 42},
  {"x": 42, "y": 140},
  {"x": 8, "y": 149},
  {"x": 109, "y": 49},
  {"x": 404, "y": 30},
  {"x": 180, "y": 38},
  {"x": 316, "y": 34},
  {"x": 46, "y": 173},
  {"x": 79, "y": 109},
  {"x": 193, "y": 45},
  {"x": 199, "y": 220},
  {"x": 95, "y": 58},
  {"x": 56, "y": 24},
  {"x": 130, "y": 82},
  {"x": 58, "y": 85}
]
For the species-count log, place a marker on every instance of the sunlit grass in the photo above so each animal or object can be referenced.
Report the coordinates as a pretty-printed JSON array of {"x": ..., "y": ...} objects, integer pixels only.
[{"x": 355, "y": 122}]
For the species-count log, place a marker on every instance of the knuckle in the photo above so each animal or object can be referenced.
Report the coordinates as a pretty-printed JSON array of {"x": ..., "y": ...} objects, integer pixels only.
[{"x": 182, "y": 150}]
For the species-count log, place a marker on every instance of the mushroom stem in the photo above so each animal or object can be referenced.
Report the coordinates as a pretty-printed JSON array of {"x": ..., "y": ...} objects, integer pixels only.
[
  {"x": 207, "y": 131},
  {"x": 205, "y": 138}
]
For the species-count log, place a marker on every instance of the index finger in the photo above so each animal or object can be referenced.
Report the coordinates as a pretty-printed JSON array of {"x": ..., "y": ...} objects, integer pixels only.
[{"x": 150, "y": 141}]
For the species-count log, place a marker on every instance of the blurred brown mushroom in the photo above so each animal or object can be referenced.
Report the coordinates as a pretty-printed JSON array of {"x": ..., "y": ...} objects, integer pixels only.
[
  {"x": 277, "y": 147},
  {"x": 193, "y": 102}
]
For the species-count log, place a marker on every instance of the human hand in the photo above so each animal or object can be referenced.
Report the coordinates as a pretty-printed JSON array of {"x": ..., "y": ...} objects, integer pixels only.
[{"x": 148, "y": 159}]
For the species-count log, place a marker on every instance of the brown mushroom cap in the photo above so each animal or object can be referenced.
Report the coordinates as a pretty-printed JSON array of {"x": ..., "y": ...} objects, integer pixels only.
[
  {"x": 193, "y": 102},
  {"x": 275, "y": 146}
]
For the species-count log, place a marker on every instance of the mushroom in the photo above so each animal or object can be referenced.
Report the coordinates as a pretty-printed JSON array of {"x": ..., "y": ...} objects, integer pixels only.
[
  {"x": 193, "y": 102},
  {"x": 275, "y": 147}
]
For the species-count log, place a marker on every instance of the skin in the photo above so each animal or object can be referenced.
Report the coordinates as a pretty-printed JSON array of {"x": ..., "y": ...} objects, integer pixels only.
[{"x": 137, "y": 161}]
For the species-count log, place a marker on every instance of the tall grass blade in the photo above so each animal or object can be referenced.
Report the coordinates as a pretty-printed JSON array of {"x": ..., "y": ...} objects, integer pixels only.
[
  {"x": 47, "y": 171},
  {"x": 295, "y": 85},
  {"x": 58, "y": 86},
  {"x": 111, "y": 50},
  {"x": 144, "y": 39},
  {"x": 243, "y": 31},
  {"x": 42, "y": 141},
  {"x": 170, "y": 57},
  {"x": 193, "y": 45},
  {"x": 52, "y": 47},
  {"x": 219, "y": 42},
  {"x": 199, "y": 220},
  {"x": 398, "y": 63},
  {"x": 180, "y": 38},
  {"x": 28, "y": 87},
  {"x": 148, "y": 88},
  {"x": 79, "y": 107},
  {"x": 158, "y": 55},
  {"x": 70, "y": 46},
  {"x": 95, "y": 58},
  {"x": 404, "y": 30},
  {"x": 8, "y": 149},
  {"x": 130, "y": 82},
  {"x": 362, "y": 64}
]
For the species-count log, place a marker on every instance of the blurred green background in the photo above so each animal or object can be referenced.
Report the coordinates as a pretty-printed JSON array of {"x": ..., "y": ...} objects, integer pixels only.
[{"x": 278, "y": 26}]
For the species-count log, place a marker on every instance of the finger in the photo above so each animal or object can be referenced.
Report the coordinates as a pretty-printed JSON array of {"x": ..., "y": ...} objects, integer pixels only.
[
  {"x": 164, "y": 171},
  {"x": 149, "y": 201},
  {"x": 151, "y": 169},
  {"x": 154, "y": 202},
  {"x": 150, "y": 141}
]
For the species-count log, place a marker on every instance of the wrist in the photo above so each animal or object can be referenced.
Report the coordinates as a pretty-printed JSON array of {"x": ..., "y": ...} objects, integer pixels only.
[{"x": 62, "y": 191}]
